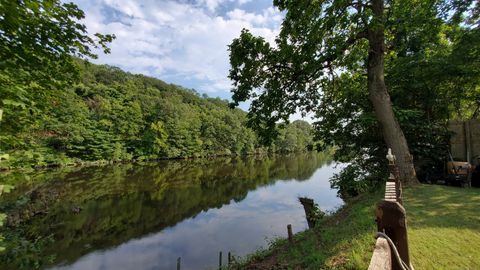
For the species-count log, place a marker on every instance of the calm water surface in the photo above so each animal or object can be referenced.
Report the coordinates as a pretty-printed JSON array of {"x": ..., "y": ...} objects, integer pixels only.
[{"x": 146, "y": 216}]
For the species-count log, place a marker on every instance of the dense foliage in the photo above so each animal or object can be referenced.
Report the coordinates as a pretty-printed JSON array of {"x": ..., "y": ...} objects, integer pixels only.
[
  {"x": 38, "y": 40},
  {"x": 112, "y": 115},
  {"x": 433, "y": 74},
  {"x": 320, "y": 62}
]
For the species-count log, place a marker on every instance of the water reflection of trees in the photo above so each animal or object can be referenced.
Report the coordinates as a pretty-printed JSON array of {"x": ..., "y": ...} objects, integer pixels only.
[{"x": 96, "y": 208}]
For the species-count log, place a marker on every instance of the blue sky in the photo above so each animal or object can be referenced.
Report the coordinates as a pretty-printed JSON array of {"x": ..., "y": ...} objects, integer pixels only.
[{"x": 182, "y": 42}]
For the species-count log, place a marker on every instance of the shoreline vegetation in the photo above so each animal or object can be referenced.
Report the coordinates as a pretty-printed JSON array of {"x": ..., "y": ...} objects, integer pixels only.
[
  {"x": 110, "y": 115},
  {"x": 87, "y": 163},
  {"x": 23, "y": 174},
  {"x": 443, "y": 230}
]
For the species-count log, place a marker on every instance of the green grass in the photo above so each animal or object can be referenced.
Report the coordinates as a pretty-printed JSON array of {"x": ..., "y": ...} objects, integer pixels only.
[
  {"x": 443, "y": 227},
  {"x": 443, "y": 231}
]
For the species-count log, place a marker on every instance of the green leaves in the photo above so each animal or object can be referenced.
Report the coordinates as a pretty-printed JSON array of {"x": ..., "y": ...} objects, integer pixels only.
[
  {"x": 319, "y": 64},
  {"x": 116, "y": 116},
  {"x": 38, "y": 44},
  {"x": 9, "y": 102},
  {"x": 316, "y": 38},
  {"x": 5, "y": 189}
]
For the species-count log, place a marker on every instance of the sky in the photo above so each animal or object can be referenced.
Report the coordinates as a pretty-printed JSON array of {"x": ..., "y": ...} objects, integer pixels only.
[{"x": 184, "y": 42}]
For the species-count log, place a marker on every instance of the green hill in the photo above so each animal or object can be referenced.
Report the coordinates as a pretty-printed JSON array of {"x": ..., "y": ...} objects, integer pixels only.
[{"x": 112, "y": 115}]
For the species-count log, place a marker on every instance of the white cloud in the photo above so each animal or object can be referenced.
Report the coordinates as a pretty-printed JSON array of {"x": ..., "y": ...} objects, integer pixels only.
[
  {"x": 211, "y": 4},
  {"x": 241, "y": 2},
  {"x": 241, "y": 15},
  {"x": 176, "y": 41}
]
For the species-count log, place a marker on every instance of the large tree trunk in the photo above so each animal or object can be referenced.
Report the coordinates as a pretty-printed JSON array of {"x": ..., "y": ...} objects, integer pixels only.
[{"x": 392, "y": 133}]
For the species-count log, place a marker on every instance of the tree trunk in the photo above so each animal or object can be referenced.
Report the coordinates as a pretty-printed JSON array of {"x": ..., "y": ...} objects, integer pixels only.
[{"x": 392, "y": 133}]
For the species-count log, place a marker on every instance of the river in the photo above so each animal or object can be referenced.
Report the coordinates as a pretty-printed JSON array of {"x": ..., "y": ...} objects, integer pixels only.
[{"x": 145, "y": 216}]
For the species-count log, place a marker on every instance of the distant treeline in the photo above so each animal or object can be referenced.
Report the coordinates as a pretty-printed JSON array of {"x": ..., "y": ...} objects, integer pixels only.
[{"x": 112, "y": 115}]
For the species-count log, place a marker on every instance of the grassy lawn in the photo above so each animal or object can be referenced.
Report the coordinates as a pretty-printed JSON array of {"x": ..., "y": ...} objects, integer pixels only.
[
  {"x": 443, "y": 231},
  {"x": 444, "y": 227}
]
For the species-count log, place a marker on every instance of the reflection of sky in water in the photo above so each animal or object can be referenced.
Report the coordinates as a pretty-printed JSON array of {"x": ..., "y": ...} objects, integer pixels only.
[{"x": 240, "y": 228}]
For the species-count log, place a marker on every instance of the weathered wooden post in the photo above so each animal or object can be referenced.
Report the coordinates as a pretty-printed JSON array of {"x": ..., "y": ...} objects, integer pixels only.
[
  {"x": 308, "y": 206},
  {"x": 391, "y": 219},
  {"x": 220, "y": 260},
  {"x": 290, "y": 234}
]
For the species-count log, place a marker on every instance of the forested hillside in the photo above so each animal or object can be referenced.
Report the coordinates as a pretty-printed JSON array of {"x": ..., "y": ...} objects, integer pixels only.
[{"x": 112, "y": 115}]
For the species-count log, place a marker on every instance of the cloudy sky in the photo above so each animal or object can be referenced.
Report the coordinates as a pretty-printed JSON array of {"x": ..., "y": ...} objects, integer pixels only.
[{"x": 183, "y": 41}]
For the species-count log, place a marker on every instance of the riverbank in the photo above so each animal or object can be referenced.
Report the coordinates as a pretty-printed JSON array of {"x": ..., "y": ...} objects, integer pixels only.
[
  {"x": 78, "y": 163},
  {"x": 343, "y": 240},
  {"x": 122, "y": 216},
  {"x": 443, "y": 231}
]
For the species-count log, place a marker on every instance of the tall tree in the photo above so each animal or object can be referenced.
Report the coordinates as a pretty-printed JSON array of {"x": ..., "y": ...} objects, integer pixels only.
[
  {"x": 380, "y": 98},
  {"x": 38, "y": 43},
  {"x": 319, "y": 39}
]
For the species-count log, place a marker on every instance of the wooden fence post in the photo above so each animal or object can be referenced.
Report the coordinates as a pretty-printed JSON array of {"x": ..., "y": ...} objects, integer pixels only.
[
  {"x": 220, "y": 260},
  {"x": 391, "y": 219},
  {"x": 308, "y": 206},
  {"x": 290, "y": 234}
]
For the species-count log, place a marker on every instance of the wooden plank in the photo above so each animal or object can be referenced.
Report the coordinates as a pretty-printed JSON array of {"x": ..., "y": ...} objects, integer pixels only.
[
  {"x": 382, "y": 256},
  {"x": 468, "y": 145},
  {"x": 392, "y": 193},
  {"x": 467, "y": 141}
]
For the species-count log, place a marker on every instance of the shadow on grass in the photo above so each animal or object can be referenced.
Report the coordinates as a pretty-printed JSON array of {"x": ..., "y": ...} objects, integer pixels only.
[
  {"x": 443, "y": 227},
  {"x": 442, "y": 206}
]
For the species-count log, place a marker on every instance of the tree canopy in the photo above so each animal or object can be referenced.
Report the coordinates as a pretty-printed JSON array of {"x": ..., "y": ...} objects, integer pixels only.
[
  {"x": 40, "y": 37},
  {"x": 323, "y": 54}
]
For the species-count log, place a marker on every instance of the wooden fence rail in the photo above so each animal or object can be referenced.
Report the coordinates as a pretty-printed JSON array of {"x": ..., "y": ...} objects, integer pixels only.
[{"x": 392, "y": 221}]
